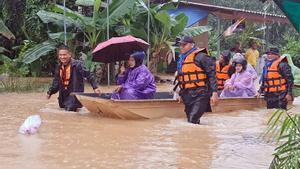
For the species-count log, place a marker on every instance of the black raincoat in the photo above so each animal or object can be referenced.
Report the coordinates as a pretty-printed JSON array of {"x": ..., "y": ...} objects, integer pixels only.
[{"x": 76, "y": 84}]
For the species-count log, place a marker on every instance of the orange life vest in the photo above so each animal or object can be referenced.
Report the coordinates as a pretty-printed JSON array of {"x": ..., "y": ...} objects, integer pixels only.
[
  {"x": 65, "y": 75},
  {"x": 191, "y": 76},
  {"x": 274, "y": 82},
  {"x": 222, "y": 75}
]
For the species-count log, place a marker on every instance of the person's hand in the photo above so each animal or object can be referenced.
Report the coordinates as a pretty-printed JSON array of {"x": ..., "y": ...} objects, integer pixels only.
[
  {"x": 214, "y": 98},
  {"x": 118, "y": 89},
  {"x": 258, "y": 95},
  {"x": 48, "y": 96},
  {"x": 289, "y": 98},
  {"x": 179, "y": 99},
  {"x": 122, "y": 70},
  {"x": 97, "y": 90},
  {"x": 226, "y": 87}
]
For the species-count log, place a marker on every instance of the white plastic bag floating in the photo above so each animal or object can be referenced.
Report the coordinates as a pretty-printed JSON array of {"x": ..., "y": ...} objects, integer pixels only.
[{"x": 31, "y": 125}]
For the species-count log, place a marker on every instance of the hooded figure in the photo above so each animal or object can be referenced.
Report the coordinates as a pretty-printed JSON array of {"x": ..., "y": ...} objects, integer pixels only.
[
  {"x": 240, "y": 84},
  {"x": 136, "y": 82},
  {"x": 249, "y": 68}
]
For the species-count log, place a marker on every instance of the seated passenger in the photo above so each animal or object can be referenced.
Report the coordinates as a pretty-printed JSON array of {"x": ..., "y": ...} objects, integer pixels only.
[
  {"x": 240, "y": 84},
  {"x": 249, "y": 68},
  {"x": 136, "y": 82}
]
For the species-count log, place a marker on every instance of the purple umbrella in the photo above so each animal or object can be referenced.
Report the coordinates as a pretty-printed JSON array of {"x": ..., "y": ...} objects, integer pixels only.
[{"x": 118, "y": 49}]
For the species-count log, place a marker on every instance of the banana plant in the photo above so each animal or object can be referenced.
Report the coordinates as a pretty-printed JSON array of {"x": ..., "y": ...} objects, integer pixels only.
[
  {"x": 284, "y": 129},
  {"x": 164, "y": 29},
  {"x": 93, "y": 28},
  {"x": 4, "y": 31}
]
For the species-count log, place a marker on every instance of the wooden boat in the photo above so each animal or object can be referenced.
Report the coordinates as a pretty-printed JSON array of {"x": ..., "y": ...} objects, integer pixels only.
[{"x": 162, "y": 106}]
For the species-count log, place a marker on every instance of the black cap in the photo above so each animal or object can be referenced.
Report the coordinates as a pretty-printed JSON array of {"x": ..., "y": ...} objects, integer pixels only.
[
  {"x": 226, "y": 54},
  {"x": 273, "y": 50},
  {"x": 186, "y": 39}
]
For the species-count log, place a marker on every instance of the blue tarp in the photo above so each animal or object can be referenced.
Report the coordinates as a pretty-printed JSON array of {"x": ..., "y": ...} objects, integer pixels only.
[{"x": 195, "y": 14}]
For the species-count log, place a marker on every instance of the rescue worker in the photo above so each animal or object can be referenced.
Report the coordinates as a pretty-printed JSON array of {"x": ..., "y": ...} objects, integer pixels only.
[
  {"x": 197, "y": 80},
  {"x": 224, "y": 70},
  {"x": 68, "y": 78},
  {"x": 277, "y": 80}
]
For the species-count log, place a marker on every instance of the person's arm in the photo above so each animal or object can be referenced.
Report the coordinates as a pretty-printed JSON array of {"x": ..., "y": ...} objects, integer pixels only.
[
  {"x": 252, "y": 71},
  {"x": 209, "y": 66},
  {"x": 55, "y": 83},
  {"x": 88, "y": 75},
  {"x": 142, "y": 80},
  {"x": 229, "y": 82},
  {"x": 121, "y": 79},
  {"x": 244, "y": 82},
  {"x": 286, "y": 72}
]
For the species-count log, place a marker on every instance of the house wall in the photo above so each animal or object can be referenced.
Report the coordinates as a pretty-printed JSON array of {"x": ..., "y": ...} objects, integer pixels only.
[{"x": 202, "y": 40}]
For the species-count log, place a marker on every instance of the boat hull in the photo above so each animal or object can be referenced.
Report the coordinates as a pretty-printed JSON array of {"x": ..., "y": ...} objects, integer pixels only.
[{"x": 158, "y": 108}]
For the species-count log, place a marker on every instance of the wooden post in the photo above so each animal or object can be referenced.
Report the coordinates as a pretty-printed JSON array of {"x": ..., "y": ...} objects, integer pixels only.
[{"x": 218, "y": 33}]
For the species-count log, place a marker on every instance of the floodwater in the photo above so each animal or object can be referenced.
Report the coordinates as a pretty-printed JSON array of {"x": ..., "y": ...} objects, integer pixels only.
[{"x": 83, "y": 140}]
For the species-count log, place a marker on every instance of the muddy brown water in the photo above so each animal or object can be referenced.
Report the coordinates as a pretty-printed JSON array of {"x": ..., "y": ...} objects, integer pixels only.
[{"x": 83, "y": 140}]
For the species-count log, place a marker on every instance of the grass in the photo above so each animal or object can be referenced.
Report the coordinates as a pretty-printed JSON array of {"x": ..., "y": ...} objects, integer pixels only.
[{"x": 17, "y": 84}]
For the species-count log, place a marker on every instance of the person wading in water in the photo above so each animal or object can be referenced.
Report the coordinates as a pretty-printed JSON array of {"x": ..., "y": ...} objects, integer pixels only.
[
  {"x": 277, "y": 80},
  {"x": 197, "y": 80},
  {"x": 69, "y": 77}
]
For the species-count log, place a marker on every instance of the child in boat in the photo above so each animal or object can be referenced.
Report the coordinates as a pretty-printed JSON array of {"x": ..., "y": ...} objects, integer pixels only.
[
  {"x": 136, "y": 82},
  {"x": 249, "y": 68},
  {"x": 241, "y": 83}
]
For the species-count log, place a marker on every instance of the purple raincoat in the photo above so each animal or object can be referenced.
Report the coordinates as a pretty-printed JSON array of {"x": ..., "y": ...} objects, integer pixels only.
[
  {"x": 243, "y": 86},
  {"x": 252, "y": 71},
  {"x": 137, "y": 83}
]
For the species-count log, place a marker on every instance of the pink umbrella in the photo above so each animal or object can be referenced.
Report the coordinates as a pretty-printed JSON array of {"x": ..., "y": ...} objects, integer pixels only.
[{"x": 118, "y": 48}]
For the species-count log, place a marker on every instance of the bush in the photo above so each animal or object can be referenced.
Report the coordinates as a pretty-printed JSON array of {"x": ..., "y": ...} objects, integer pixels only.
[
  {"x": 292, "y": 47},
  {"x": 18, "y": 84},
  {"x": 284, "y": 128}
]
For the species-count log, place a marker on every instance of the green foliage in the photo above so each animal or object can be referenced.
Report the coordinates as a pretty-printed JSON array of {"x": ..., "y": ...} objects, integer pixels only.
[
  {"x": 86, "y": 3},
  {"x": 4, "y": 31},
  {"x": 195, "y": 31},
  {"x": 17, "y": 84},
  {"x": 38, "y": 51},
  {"x": 164, "y": 29},
  {"x": 13, "y": 12},
  {"x": 291, "y": 46},
  {"x": 295, "y": 69},
  {"x": 13, "y": 67},
  {"x": 57, "y": 19},
  {"x": 34, "y": 29},
  {"x": 284, "y": 128}
]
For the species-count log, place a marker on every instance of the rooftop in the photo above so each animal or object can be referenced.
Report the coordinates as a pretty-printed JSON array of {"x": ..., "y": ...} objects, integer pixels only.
[{"x": 234, "y": 13}]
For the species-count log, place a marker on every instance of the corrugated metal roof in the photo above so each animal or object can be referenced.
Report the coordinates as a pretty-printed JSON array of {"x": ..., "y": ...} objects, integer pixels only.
[{"x": 232, "y": 13}]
